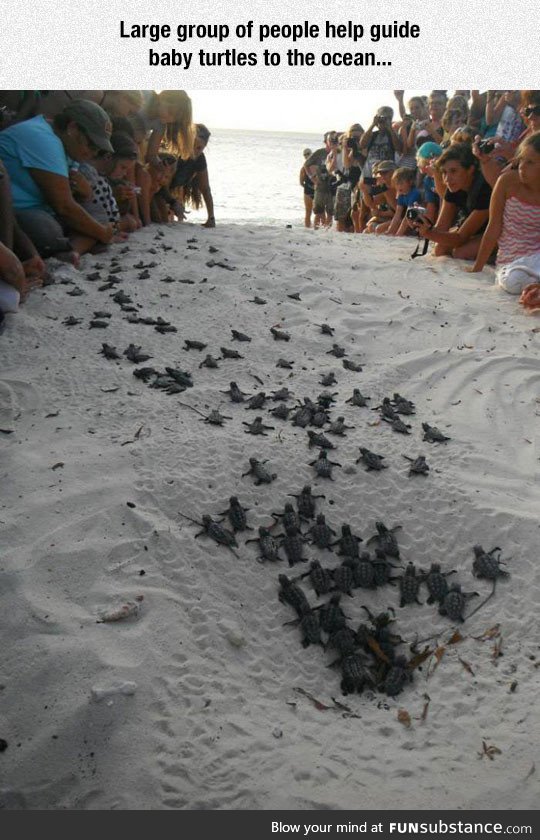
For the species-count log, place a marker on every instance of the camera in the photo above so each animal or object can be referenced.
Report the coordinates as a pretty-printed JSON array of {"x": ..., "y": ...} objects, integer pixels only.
[
  {"x": 486, "y": 146},
  {"x": 352, "y": 143},
  {"x": 416, "y": 213}
]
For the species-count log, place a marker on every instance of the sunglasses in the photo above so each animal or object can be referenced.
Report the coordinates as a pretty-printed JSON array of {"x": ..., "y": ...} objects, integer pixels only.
[{"x": 532, "y": 110}]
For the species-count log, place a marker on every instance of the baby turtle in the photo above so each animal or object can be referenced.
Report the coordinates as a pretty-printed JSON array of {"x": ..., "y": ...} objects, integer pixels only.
[
  {"x": 329, "y": 379},
  {"x": 258, "y": 300},
  {"x": 336, "y": 351},
  {"x": 209, "y": 362},
  {"x": 409, "y": 586},
  {"x": 281, "y": 411},
  {"x": 134, "y": 354},
  {"x": 321, "y": 534},
  {"x": 109, "y": 351},
  {"x": 215, "y": 418},
  {"x": 364, "y": 572},
  {"x": 94, "y": 276},
  {"x": 121, "y": 297},
  {"x": 344, "y": 577},
  {"x": 319, "y": 417},
  {"x": 145, "y": 373},
  {"x": 256, "y": 402},
  {"x": 485, "y": 565},
  {"x": 344, "y": 641},
  {"x": 348, "y": 365},
  {"x": 371, "y": 460},
  {"x": 419, "y": 466},
  {"x": 322, "y": 466},
  {"x": 355, "y": 676},
  {"x": 311, "y": 631},
  {"x": 238, "y": 336},
  {"x": 386, "y": 409},
  {"x": 436, "y": 583},
  {"x": 71, "y": 321},
  {"x": 257, "y": 427},
  {"x": 326, "y": 399},
  {"x": 382, "y": 568},
  {"x": 235, "y": 393},
  {"x": 302, "y": 416},
  {"x": 282, "y": 395},
  {"x": 398, "y": 425},
  {"x": 403, "y": 406},
  {"x": 96, "y": 324},
  {"x": 433, "y": 435},
  {"x": 101, "y": 314},
  {"x": 259, "y": 472},
  {"x": 455, "y": 602},
  {"x": 280, "y": 335},
  {"x": 293, "y": 595},
  {"x": 229, "y": 354},
  {"x": 331, "y": 616},
  {"x": 236, "y": 515},
  {"x": 338, "y": 427},
  {"x": 348, "y": 542},
  {"x": 358, "y": 399},
  {"x": 181, "y": 377},
  {"x": 268, "y": 546},
  {"x": 319, "y": 440},
  {"x": 397, "y": 677},
  {"x": 386, "y": 539},
  {"x": 283, "y": 363},
  {"x": 216, "y": 531},
  {"x": 194, "y": 345},
  {"x": 289, "y": 517},
  {"x": 167, "y": 328},
  {"x": 306, "y": 502},
  {"x": 320, "y": 578},
  {"x": 294, "y": 296},
  {"x": 326, "y": 329},
  {"x": 293, "y": 544}
]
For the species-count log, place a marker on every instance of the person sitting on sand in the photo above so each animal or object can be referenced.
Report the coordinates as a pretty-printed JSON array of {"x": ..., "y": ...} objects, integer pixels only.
[
  {"x": 465, "y": 206},
  {"x": 380, "y": 198},
  {"x": 169, "y": 117},
  {"x": 427, "y": 157},
  {"x": 36, "y": 156},
  {"x": 407, "y": 194},
  {"x": 514, "y": 222},
  {"x": 503, "y": 153},
  {"x": 309, "y": 190}
]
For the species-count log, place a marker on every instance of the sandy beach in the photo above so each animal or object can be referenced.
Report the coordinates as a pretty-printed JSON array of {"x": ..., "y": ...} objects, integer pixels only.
[{"x": 194, "y": 701}]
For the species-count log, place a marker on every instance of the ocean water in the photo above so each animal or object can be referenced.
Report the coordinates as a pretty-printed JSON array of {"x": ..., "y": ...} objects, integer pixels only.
[{"x": 254, "y": 176}]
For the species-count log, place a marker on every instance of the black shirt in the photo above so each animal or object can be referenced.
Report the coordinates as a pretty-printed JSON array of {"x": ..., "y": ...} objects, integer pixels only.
[
  {"x": 477, "y": 198},
  {"x": 187, "y": 169}
]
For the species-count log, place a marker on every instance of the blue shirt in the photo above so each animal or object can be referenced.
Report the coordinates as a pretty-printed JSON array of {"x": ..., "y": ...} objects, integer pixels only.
[
  {"x": 31, "y": 145},
  {"x": 412, "y": 197},
  {"x": 431, "y": 196}
]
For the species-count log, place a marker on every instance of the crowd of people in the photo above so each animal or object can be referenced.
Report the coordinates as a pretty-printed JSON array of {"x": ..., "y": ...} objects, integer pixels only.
[
  {"x": 461, "y": 172},
  {"x": 82, "y": 169}
]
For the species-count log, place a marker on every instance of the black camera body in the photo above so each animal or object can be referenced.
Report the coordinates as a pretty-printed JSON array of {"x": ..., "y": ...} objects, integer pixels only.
[
  {"x": 486, "y": 146},
  {"x": 416, "y": 213}
]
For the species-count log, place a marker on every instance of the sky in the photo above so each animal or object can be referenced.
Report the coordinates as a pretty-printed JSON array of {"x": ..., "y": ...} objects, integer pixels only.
[{"x": 291, "y": 110}]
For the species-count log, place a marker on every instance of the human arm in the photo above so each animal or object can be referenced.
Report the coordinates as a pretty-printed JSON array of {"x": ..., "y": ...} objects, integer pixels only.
[
  {"x": 154, "y": 143},
  {"x": 530, "y": 297},
  {"x": 399, "y": 96},
  {"x": 397, "y": 220},
  {"x": 494, "y": 107},
  {"x": 495, "y": 225},
  {"x": 450, "y": 238},
  {"x": 57, "y": 193},
  {"x": 206, "y": 192}
]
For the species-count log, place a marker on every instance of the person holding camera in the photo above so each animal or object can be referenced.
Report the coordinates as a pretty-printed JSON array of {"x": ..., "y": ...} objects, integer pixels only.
[
  {"x": 380, "y": 142},
  {"x": 407, "y": 195},
  {"x": 353, "y": 159},
  {"x": 465, "y": 206},
  {"x": 379, "y": 196}
]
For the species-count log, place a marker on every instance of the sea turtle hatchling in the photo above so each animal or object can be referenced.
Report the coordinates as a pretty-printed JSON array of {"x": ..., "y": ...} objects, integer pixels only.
[
  {"x": 71, "y": 321},
  {"x": 293, "y": 544},
  {"x": 109, "y": 351},
  {"x": 318, "y": 439},
  {"x": 382, "y": 568},
  {"x": 358, "y": 399},
  {"x": 256, "y": 402},
  {"x": 292, "y": 594},
  {"x": 322, "y": 466},
  {"x": 349, "y": 365},
  {"x": 398, "y": 425},
  {"x": 281, "y": 395},
  {"x": 305, "y": 502},
  {"x": 302, "y": 416},
  {"x": 268, "y": 545},
  {"x": 319, "y": 417},
  {"x": 339, "y": 427},
  {"x": 145, "y": 373},
  {"x": 437, "y": 584},
  {"x": 181, "y": 377},
  {"x": 190, "y": 344},
  {"x": 310, "y": 628},
  {"x": 216, "y": 531},
  {"x": 320, "y": 578},
  {"x": 397, "y": 677},
  {"x": 289, "y": 517},
  {"x": 258, "y": 300},
  {"x": 454, "y": 602},
  {"x": 326, "y": 329},
  {"x": 485, "y": 565},
  {"x": 403, "y": 406},
  {"x": 386, "y": 409},
  {"x": 209, "y": 362},
  {"x": 343, "y": 640},
  {"x": 235, "y": 393},
  {"x": 281, "y": 411},
  {"x": 354, "y": 674},
  {"x": 239, "y": 336},
  {"x": 344, "y": 577},
  {"x": 280, "y": 335},
  {"x": 371, "y": 460},
  {"x": 321, "y": 534},
  {"x": 386, "y": 540},
  {"x": 236, "y": 515},
  {"x": 230, "y": 354},
  {"x": 135, "y": 354},
  {"x": 348, "y": 542},
  {"x": 433, "y": 435},
  {"x": 284, "y": 363},
  {"x": 331, "y": 615},
  {"x": 328, "y": 379},
  {"x": 409, "y": 585},
  {"x": 259, "y": 472},
  {"x": 215, "y": 418},
  {"x": 257, "y": 427},
  {"x": 419, "y": 466},
  {"x": 337, "y": 351},
  {"x": 364, "y": 572},
  {"x": 326, "y": 399}
]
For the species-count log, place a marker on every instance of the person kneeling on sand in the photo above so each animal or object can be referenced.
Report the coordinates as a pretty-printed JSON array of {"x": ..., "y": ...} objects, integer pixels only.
[
  {"x": 380, "y": 197},
  {"x": 37, "y": 157},
  {"x": 465, "y": 206},
  {"x": 514, "y": 222},
  {"x": 407, "y": 194}
]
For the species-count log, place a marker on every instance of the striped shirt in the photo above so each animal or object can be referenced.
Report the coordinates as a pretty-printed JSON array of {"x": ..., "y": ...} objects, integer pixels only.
[{"x": 521, "y": 231}]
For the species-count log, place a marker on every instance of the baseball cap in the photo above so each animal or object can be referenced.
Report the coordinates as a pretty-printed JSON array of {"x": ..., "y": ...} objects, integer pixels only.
[
  {"x": 384, "y": 166},
  {"x": 124, "y": 146},
  {"x": 93, "y": 120}
]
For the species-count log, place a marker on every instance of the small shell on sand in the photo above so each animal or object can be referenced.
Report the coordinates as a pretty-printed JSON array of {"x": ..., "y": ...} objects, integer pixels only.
[
  {"x": 127, "y": 689},
  {"x": 130, "y": 608}
]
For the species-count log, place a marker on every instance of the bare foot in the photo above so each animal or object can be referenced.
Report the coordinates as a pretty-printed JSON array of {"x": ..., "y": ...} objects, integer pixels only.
[{"x": 71, "y": 257}]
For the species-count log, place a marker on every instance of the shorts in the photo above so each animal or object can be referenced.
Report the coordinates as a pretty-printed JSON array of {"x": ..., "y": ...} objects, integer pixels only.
[
  {"x": 44, "y": 230},
  {"x": 323, "y": 202},
  {"x": 514, "y": 276},
  {"x": 342, "y": 205}
]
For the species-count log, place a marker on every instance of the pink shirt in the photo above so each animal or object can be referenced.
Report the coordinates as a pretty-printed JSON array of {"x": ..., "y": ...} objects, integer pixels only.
[{"x": 521, "y": 231}]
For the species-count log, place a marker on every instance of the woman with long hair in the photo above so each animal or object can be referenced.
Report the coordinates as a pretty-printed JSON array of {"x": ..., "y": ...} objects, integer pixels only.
[{"x": 170, "y": 117}]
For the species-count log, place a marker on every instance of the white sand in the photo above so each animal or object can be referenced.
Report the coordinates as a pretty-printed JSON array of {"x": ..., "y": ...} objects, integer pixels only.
[{"x": 192, "y": 703}]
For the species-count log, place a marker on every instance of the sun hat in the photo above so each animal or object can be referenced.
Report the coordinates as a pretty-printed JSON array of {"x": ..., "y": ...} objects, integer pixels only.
[
  {"x": 429, "y": 150},
  {"x": 93, "y": 120},
  {"x": 384, "y": 166}
]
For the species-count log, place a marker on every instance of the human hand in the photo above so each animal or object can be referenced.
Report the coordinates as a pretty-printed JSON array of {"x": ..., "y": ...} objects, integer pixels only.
[
  {"x": 80, "y": 186},
  {"x": 11, "y": 270},
  {"x": 399, "y": 94},
  {"x": 108, "y": 232},
  {"x": 210, "y": 223},
  {"x": 530, "y": 297},
  {"x": 123, "y": 192},
  {"x": 474, "y": 269}
]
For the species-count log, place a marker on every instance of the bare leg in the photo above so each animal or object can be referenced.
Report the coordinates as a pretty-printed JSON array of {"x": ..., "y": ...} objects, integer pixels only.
[{"x": 308, "y": 204}]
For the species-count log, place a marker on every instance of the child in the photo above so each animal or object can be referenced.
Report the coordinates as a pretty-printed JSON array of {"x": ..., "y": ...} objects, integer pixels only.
[
  {"x": 514, "y": 222},
  {"x": 380, "y": 198},
  {"x": 432, "y": 185},
  {"x": 403, "y": 181}
]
